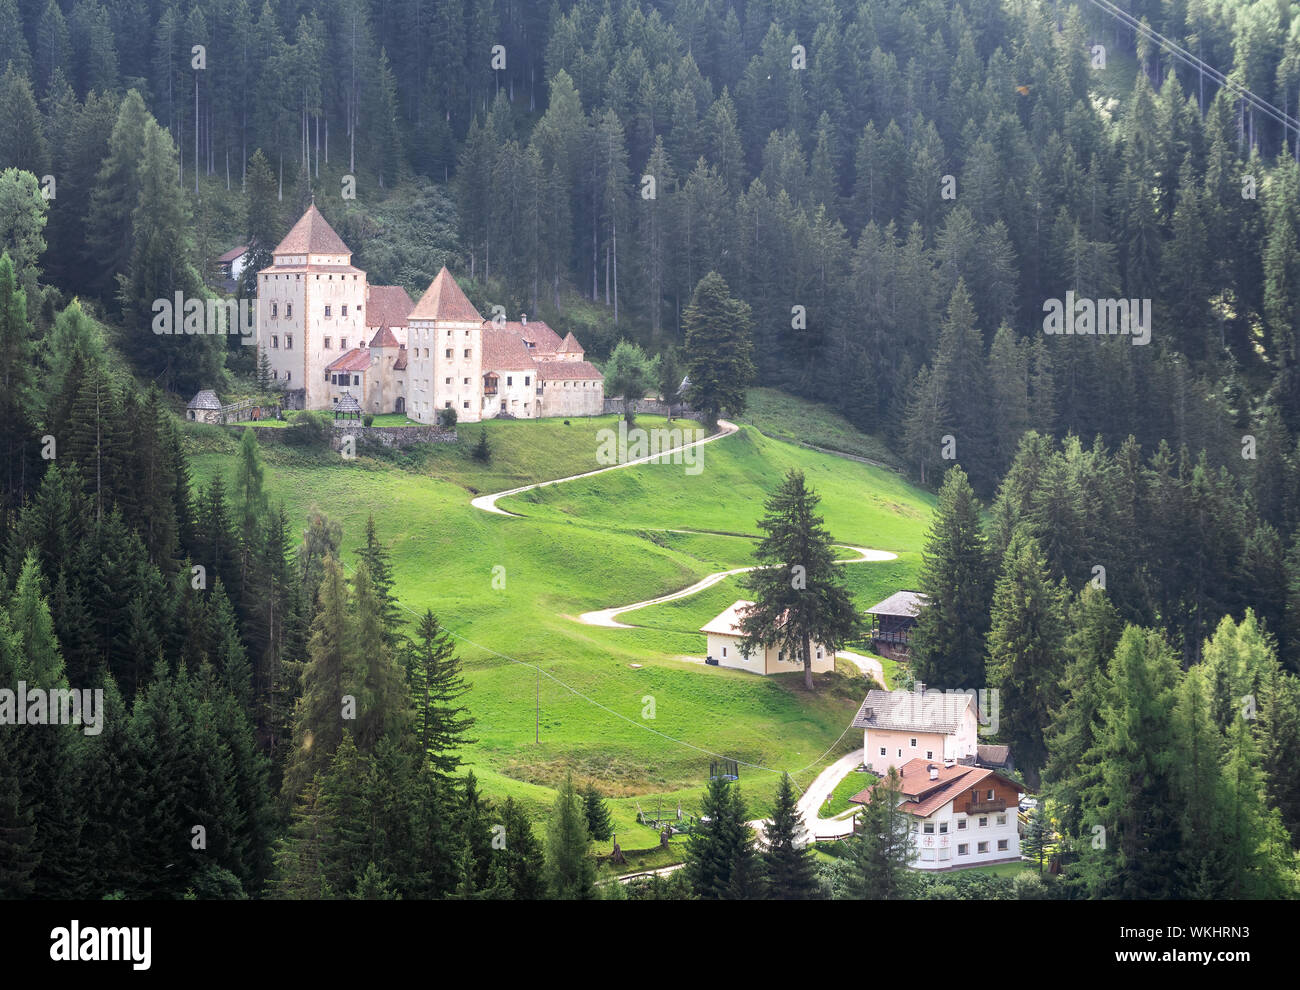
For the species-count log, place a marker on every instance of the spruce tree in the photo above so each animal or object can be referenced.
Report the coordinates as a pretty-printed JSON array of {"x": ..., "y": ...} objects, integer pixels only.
[
  {"x": 799, "y": 593},
  {"x": 720, "y": 851},
  {"x": 598, "y": 821},
  {"x": 947, "y": 643},
  {"x": 788, "y": 859},
  {"x": 482, "y": 449},
  {"x": 719, "y": 350},
  {"x": 434, "y": 672},
  {"x": 881, "y": 850},
  {"x": 570, "y": 871}
]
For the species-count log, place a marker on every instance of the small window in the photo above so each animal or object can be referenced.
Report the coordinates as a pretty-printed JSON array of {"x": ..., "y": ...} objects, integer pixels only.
[
  {"x": 990, "y": 794},
  {"x": 982, "y": 847},
  {"x": 327, "y": 343},
  {"x": 724, "y": 651},
  {"x": 449, "y": 334},
  {"x": 466, "y": 381},
  {"x": 275, "y": 341},
  {"x": 447, "y": 404},
  {"x": 448, "y": 352},
  {"x": 961, "y": 824},
  {"x": 929, "y": 754},
  {"x": 465, "y": 404},
  {"x": 900, "y": 754},
  {"x": 288, "y": 341},
  {"x": 963, "y": 849},
  {"x": 446, "y": 381},
  {"x": 343, "y": 311},
  {"x": 274, "y": 308},
  {"x": 1002, "y": 845},
  {"x": 343, "y": 343},
  {"x": 943, "y": 828},
  {"x": 467, "y": 352},
  {"x": 929, "y": 828},
  {"x": 882, "y": 751},
  {"x": 984, "y": 821},
  {"x": 510, "y": 379},
  {"x": 527, "y": 380},
  {"x": 288, "y": 310},
  {"x": 912, "y": 744},
  {"x": 334, "y": 379},
  {"x": 288, "y": 375},
  {"x": 356, "y": 379},
  {"x": 327, "y": 312},
  {"x": 1002, "y": 819}
]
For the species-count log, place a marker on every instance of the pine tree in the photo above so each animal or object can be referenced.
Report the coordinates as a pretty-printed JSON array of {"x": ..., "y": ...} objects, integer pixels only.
[
  {"x": 525, "y": 861},
  {"x": 799, "y": 595},
  {"x": 482, "y": 450},
  {"x": 570, "y": 871},
  {"x": 788, "y": 860},
  {"x": 1038, "y": 835},
  {"x": 380, "y": 566},
  {"x": 599, "y": 825},
  {"x": 720, "y": 851},
  {"x": 947, "y": 643}
]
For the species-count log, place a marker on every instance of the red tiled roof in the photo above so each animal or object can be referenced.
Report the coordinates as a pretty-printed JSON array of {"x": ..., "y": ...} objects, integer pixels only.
[
  {"x": 357, "y": 359},
  {"x": 400, "y": 363},
  {"x": 444, "y": 300},
  {"x": 543, "y": 338},
  {"x": 388, "y": 305},
  {"x": 383, "y": 338},
  {"x": 570, "y": 344},
  {"x": 312, "y": 234},
  {"x": 232, "y": 254},
  {"x": 923, "y": 796},
  {"x": 567, "y": 371},
  {"x": 504, "y": 350}
]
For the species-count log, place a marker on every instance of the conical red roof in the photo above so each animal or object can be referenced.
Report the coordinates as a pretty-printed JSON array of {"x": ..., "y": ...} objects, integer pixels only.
[
  {"x": 312, "y": 234},
  {"x": 444, "y": 300}
]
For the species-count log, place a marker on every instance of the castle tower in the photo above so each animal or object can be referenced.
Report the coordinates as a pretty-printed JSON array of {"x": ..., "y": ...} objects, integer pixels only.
[
  {"x": 309, "y": 309},
  {"x": 444, "y": 354}
]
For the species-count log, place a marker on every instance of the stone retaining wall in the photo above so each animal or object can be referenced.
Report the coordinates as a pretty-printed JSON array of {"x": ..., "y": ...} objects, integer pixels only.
[{"x": 652, "y": 407}]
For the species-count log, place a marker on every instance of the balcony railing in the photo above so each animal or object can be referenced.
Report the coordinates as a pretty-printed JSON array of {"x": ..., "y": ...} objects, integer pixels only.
[
  {"x": 984, "y": 807},
  {"x": 897, "y": 638}
]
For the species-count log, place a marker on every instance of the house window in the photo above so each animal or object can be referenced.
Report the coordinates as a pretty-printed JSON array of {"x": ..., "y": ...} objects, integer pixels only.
[
  {"x": 274, "y": 307},
  {"x": 912, "y": 743},
  {"x": 990, "y": 794},
  {"x": 916, "y": 826},
  {"x": 356, "y": 379},
  {"x": 929, "y": 754},
  {"x": 1002, "y": 819},
  {"x": 448, "y": 352},
  {"x": 343, "y": 343},
  {"x": 943, "y": 828},
  {"x": 984, "y": 821},
  {"x": 882, "y": 751},
  {"x": 466, "y": 333},
  {"x": 275, "y": 341},
  {"x": 334, "y": 379},
  {"x": 724, "y": 651},
  {"x": 288, "y": 375},
  {"x": 963, "y": 849},
  {"x": 466, "y": 381},
  {"x": 961, "y": 824},
  {"x": 327, "y": 312},
  {"x": 900, "y": 754},
  {"x": 1002, "y": 845},
  {"x": 449, "y": 334},
  {"x": 929, "y": 828},
  {"x": 446, "y": 381},
  {"x": 467, "y": 349},
  {"x": 288, "y": 341},
  {"x": 327, "y": 343},
  {"x": 447, "y": 404},
  {"x": 510, "y": 379},
  {"x": 288, "y": 310},
  {"x": 982, "y": 847},
  {"x": 343, "y": 311},
  {"x": 465, "y": 404},
  {"x": 527, "y": 380}
]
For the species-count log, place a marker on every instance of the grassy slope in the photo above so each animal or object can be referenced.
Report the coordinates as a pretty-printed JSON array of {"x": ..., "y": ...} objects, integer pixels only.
[{"x": 593, "y": 543}]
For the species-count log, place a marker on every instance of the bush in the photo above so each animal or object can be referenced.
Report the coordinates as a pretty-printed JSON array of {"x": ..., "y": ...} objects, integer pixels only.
[
  {"x": 447, "y": 418},
  {"x": 368, "y": 419},
  {"x": 309, "y": 428}
]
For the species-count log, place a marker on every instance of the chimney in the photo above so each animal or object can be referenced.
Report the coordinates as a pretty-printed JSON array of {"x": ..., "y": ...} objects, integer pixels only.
[
  {"x": 934, "y": 771},
  {"x": 523, "y": 318}
]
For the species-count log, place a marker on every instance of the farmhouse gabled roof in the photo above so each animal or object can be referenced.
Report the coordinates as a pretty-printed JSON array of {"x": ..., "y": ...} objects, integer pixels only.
[
  {"x": 388, "y": 305},
  {"x": 569, "y": 345},
  {"x": 232, "y": 254},
  {"x": 567, "y": 370},
  {"x": 918, "y": 711},
  {"x": 312, "y": 234},
  {"x": 923, "y": 796},
  {"x": 205, "y": 399},
  {"x": 445, "y": 300},
  {"x": 904, "y": 603},
  {"x": 728, "y": 622}
]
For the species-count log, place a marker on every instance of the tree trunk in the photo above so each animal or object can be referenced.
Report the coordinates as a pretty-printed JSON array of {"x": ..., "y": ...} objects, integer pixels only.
[{"x": 807, "y": 663}]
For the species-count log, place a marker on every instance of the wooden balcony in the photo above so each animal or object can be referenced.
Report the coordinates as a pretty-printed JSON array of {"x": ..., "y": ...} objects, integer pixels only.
[{"x": 985, "y": 807}]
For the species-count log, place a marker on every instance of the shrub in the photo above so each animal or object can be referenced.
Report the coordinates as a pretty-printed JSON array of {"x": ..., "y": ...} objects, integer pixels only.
[
  {"x": 368, "y": 419},
  {"x": 309, "y": 428},
  {"x": 447, "y": 418}
]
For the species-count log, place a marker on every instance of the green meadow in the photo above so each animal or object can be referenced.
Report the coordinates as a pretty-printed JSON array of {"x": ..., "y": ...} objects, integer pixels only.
[{"x": 633, "y": 710}]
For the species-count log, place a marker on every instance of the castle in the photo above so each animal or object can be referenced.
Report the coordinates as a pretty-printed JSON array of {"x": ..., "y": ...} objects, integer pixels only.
[{"x": 328, "y": 333}]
